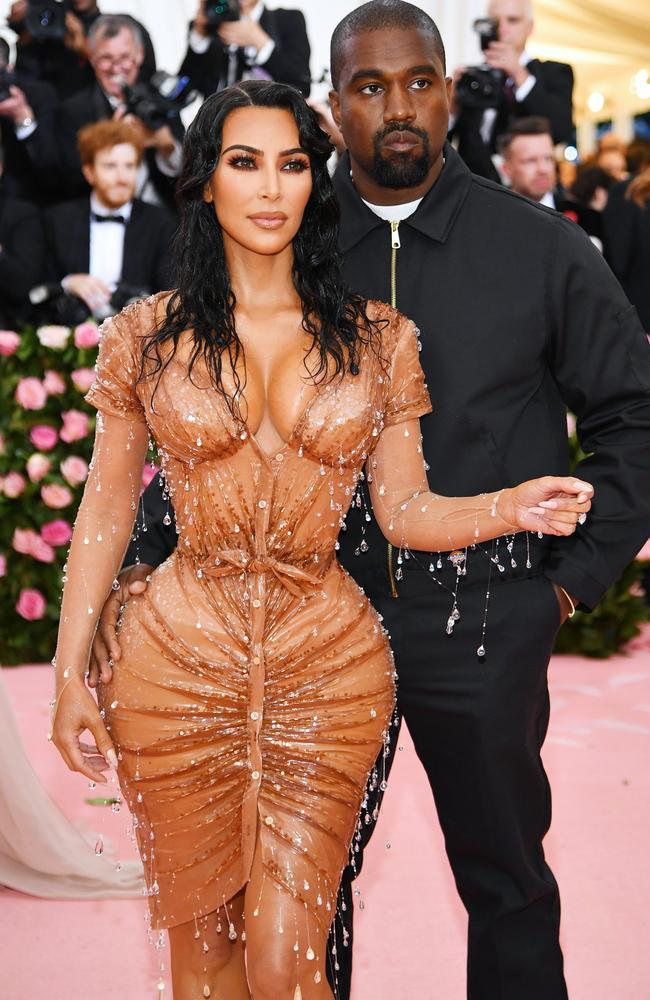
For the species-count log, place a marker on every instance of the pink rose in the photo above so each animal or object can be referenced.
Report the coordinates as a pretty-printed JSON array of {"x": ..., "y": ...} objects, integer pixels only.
[
  {"x": 57, "y": 532},
  {"x": 54, "y": 383},
  {"x": 86, "y": 335},
  {"x": 31, "y": 605},
  {"x": 42, "y": 551},
  {"x": 31, "y": 394},
  {"x": 56, "y": 496},
  {"x": 3, "y": 565},
  {"x": 75, "y": 426},
  {"x": 43, "y": 437},
  {"x": 75, "y": 470},
  {"x": 2, "y": 445},
  {"x": 83, "y": 378},
  {"x": 24, "y": 541},
  {"x": 9, "y": 342},
  {"x": 14, "y": 484},
  {"x": 55, "y": 337},
  {"x": 148, "y": 474},
  {"x": 38, "y": 467}
]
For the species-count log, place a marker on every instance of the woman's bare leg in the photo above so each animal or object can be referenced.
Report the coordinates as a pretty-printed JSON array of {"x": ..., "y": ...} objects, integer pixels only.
[{"x": 218, "y": 970}]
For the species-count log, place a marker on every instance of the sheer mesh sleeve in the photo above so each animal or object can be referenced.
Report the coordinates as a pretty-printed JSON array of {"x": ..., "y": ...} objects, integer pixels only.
[
  {"x": 114, "y": 390},
  {"x": 407, "y": 395},
  {"x": 107, "y": 511}
]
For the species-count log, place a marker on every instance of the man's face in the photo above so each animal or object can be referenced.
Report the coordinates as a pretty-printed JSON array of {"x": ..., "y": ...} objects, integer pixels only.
[
  {"x": 515, "y": 23},
  {"x": 113, "y": 174},
  {"x": 392, "y": 106},
  {"x": 83, "y": 6},
  {"x": 246, "y": 6},
  {"x": 530, "y": 166},
  {"x": 116, "y": 61}
]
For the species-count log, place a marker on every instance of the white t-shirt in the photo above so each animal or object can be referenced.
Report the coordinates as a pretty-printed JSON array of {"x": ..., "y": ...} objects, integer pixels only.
[{"x": 394, "y": 213}]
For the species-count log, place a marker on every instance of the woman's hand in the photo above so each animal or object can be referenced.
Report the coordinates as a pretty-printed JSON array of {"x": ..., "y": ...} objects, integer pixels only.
[
  {"x": 75, "y": 710},
  {"x": 554, "y": 505}
]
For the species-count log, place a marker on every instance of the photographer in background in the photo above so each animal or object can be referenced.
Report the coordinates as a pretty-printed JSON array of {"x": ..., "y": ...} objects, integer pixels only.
[
  {"x": 523, "y": 87},
  {"x": 21, "y": 256},
  {"x": 116, "y": 53},
  {"x": 108, "y": 247},
  {"x": 234, "y": 40},
  {"x": 56, "y": 52},
  {"x": 27, "y": 113}
]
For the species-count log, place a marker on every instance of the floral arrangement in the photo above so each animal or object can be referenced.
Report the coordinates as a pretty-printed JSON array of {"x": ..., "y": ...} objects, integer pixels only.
[{"x": 46, "y": 435}]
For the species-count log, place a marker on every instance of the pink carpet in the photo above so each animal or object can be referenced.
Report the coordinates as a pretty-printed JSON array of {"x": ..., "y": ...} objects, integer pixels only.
[{"x": 410, "y": 932}]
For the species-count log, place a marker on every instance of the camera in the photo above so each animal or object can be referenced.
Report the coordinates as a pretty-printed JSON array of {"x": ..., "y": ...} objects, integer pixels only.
[
  {"x": 218, "y": 12},
  {"x": 159, "y": 100},
  {"x": 482, "y": 86},
  {"x": 46, "y": 21},
  {"x": 7, "y": 80},
  {"x": 51, "y": 304}
]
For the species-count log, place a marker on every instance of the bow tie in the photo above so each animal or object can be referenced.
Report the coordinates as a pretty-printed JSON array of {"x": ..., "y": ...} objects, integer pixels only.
[{"x": 108, "y": 218}]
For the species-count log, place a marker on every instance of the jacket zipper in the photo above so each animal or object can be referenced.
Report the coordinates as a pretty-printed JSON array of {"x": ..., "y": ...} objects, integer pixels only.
[{"x": 394, "y": 245}]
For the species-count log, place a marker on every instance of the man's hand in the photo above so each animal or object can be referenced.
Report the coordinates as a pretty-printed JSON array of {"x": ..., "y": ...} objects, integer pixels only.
[
  {"x": 75, "y": 36},
  {"x": 455, "y": 106},
  {"x": 106, "y": 648},
  {"x": 162, "y": 139},
  {"x": 500, "y": 55},
  {"x": 243, "y": 33},
  {"x": 93, "y": 291},
  {"x": 16, "y": 107}
]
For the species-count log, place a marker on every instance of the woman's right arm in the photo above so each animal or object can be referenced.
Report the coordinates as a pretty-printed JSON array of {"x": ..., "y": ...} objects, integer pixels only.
[{"x": 102, "y": 531}]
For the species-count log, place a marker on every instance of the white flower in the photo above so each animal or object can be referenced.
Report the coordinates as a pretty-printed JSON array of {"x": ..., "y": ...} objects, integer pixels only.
[{"x": 55, "y": 337}]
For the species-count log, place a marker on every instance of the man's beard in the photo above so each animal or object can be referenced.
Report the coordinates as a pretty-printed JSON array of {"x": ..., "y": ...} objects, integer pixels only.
[{"x": 405, "y": 172}]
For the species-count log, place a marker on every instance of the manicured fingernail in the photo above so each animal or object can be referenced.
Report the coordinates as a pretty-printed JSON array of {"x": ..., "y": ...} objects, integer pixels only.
[
  {"x": 582, "y": 486},
  {"x": 548, "y": 503},
  {"x": 111, "y": 757}
]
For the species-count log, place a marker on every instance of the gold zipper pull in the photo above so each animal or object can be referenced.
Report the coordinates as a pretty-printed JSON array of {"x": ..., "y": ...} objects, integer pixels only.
[{"x": 394, "y": 235}]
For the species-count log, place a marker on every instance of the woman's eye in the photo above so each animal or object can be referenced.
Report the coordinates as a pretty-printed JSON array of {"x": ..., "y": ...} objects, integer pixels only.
[
  {"x": 371, "y": 88},
  {"x": 295, "y": 166},
  {"x": 243, "y": 162}
]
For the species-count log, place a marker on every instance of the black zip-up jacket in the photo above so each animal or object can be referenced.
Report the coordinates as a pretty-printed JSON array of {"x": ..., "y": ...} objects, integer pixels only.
[{"x": 520, "y": 317}]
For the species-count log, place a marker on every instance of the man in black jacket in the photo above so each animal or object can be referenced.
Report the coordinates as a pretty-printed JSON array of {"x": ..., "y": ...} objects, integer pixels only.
[
  {"x": 116, "y": 54},
  {"x": 21, "y": 258},
  {"x": 109, "y": 241},
  {"x": 263, "y": 43},
  {"x": 532, "y": 87},
  {"x": 519, "y": 317}
]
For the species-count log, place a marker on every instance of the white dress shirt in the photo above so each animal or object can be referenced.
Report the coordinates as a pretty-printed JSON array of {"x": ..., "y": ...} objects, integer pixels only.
[
  {"x": 521, "y": 93},
  {"x": 107, "y": 242}
]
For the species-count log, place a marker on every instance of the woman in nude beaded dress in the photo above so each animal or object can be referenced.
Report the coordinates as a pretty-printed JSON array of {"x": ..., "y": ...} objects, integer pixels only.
[{"x": 256, "y": 684}]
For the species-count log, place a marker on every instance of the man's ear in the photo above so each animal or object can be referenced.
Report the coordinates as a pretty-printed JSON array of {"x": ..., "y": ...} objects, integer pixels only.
[
  {"x": 335, "y": 107},
  {"x": 88, "y": 170}
]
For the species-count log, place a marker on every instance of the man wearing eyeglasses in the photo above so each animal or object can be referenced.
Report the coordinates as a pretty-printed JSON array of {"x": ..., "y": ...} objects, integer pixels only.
[{"x": 116, "y": 52}]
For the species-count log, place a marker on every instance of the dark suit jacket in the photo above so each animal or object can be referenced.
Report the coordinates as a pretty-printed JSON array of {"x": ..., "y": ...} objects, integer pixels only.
[
  {"x": 21, "y": 257},
  {"x": 551, "y": 97},
  {"x": 92, "y": 105},
  {"x": 147, "y": 244},
  {"x": 627, "y": 247},
  {"x": 30, "y": 165},
  {"x": 520, "y": 317},
  {"x": 288, "y": 63}
]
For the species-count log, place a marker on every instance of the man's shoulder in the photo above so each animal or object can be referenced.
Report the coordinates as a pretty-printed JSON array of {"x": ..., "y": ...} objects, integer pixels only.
[
  {"x": 152, "y": 215},
  {"x": 80, "y": 105},
  {"x": 489, "y": 195},
  {"x": 16, "y": 210},
  {"x": 286, "y": 18},
  {"x": 63, "y": 211},
  {"x": 550, "y": 66}
]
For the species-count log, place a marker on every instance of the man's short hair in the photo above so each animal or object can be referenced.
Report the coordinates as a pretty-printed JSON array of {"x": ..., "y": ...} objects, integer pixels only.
[
  {"x": 533, "y": 125},
  {"x": 109, "y": 26},
  {"x": 92, "y": 139},
  {"x": 376, "y": 16}
]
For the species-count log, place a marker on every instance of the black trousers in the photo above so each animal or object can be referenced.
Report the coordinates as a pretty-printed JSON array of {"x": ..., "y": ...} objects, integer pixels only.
[{"x": 478, "y": 727}]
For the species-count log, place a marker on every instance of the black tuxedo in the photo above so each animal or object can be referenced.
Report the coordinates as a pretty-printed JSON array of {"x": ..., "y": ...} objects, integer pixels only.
[
  {"x": 288, "y": 63},
  {"x": 21, "y": 258},
  {"x": 551, "y": 97},
  {"x": 627, "y": 247},
  {"x": 146, "y": 264},
  {"x": 519, "y": 317},
  {"x": 30, "y": 165},
  {"x": 92, "y": 105}
]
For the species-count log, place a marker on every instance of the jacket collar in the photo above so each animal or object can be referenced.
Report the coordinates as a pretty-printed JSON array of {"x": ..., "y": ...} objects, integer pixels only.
[{"x": 434, "y": 217}]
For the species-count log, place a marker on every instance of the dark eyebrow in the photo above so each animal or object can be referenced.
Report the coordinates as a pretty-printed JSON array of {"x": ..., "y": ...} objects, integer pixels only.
[
  {"x": 260, "y": 152},
  {"x": 413, "y": 70}
]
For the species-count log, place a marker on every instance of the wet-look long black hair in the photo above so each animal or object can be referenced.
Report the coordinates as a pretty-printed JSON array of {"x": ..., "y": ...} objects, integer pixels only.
[{"x": 204, "y": 301}]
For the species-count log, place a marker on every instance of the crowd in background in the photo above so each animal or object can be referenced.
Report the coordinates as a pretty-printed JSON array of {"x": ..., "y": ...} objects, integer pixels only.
[{"x": 91, "y": 136}]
